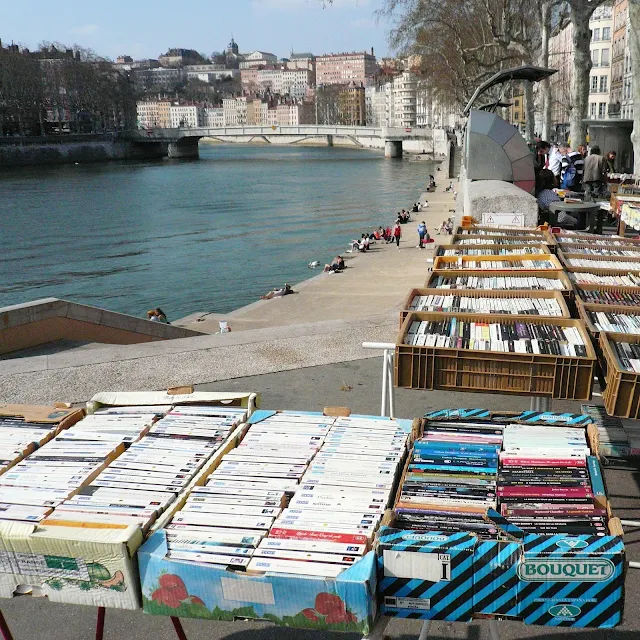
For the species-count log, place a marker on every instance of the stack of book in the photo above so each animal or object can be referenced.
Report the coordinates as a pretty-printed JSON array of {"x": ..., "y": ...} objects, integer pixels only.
[
  {"x": 464, "y": 304},
  {"x": 223, "y": 522},
  {"x": 499, "y": 251},
  {"x": 601, "y": 251},
  {"x": 530, "y": 265},
  {"x": 18, "y": 435},
  {"x": 494, "y": 283},
  {"x": 32, "y": 488},
  {"x": 548, "y": 480},
  {"x": 301, "y": 494},
  {"x": 450, "y": 480},
  {"x": 137, "y": 485},
  {"x": 628, "y": 355},
  {"x": 614, "y": 322},
  {"x": 619, "y": 265},
  {"x": 341, "y": 500},
  {"x": 600, "y": 296},
  {"x": 507, "y": 336},
  {"x": 500, "y": 232},
  {"x": 496, "y": 240},
  {"x": 600, "y": 241},
  {"x": 618, "y": 439},
  {"x": 628, "y": 280}
]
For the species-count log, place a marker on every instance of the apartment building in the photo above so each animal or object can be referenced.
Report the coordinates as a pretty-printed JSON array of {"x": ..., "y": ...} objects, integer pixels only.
[
  {"x": 154, "y": 114},
  {"x": 627, "y": 81},
  {"x": 351, "y": 106},
  {"x": 600, "y": 79},
  {"x": 214, "y": 117},
  {"x": 561, "y": 57},
  {"x": 343, "y": 68},
  {"x": 185, "y": 116},
  {"x": 258, "y": 59},
  {"x": 619, "y": 48},
  {"x": 235, "y": 111},
  {"x": 404, "y": 98}
]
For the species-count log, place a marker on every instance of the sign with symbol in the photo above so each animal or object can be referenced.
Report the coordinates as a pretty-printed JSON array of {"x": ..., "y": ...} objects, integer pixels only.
[{"x": 503, "y": 219}]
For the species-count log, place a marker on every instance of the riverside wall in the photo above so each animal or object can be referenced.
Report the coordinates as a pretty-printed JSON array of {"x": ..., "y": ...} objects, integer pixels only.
[{"x": 17, "y": 152}]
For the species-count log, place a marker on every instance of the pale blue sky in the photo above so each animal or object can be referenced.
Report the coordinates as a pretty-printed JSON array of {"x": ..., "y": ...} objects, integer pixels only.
[{"x": 144, "y": 28}]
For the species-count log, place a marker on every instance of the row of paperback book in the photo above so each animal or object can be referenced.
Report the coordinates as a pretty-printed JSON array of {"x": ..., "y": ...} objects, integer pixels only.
[
  {"x": 628, "y": 355},
  {"x": 462, "y": 240},
  {"x": 618, "y": 439},
  {"x": 118, "y": 467},
  {"x": 18, "y": 435},
  {"x": 458, "y": 470},
  {"x": 626, "y": 280},
  {"x": 600, "y": 241},
  {"x": 620, "y": 265},
  {"x": 614, "y": 322},
  {"x": 601, "y": 251},
  {"x": 498, "y": 283},
  {"x": 505, "y": 336},
  {"x": 500, "y": 232},
  {"x": 465, "y": 304},
  {"x": 493, "y": 251},
  {"x": 301, "y": 494},
  {"x": 604, "y": 296},
  {"x": 525, "y": 265}
]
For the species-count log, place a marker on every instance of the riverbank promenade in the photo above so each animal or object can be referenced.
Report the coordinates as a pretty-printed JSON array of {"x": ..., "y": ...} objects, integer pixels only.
[
  {"x": 325, "y": 322},
  {"x": 373, "y": 284}
]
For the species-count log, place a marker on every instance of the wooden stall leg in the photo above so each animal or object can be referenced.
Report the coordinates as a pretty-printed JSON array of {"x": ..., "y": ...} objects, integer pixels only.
[
  {"x": 177, "y": 625},
  {"x": 100, "y": 623},
  {"x": 4, "y": 628}
]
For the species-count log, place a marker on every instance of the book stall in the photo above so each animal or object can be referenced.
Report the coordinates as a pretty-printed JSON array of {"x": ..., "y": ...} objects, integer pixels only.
[{"x": 78, "y": 507}]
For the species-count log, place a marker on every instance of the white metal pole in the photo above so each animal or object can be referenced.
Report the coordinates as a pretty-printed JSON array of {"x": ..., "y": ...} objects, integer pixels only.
[
  {"x": 377, "y": 633},
  {"x": 493, "y": 629},
  {"x": 385, "y": 382},
  {"x": 424, "y": 632},
  {"x": 392, "y": 409}
]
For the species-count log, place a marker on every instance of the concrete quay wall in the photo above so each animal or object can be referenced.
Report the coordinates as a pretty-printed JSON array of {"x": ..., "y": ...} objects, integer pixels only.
[{"x": 18, "y": 152}]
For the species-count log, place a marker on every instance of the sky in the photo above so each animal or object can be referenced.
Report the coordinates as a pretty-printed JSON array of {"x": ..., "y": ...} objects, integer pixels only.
[{"x": 145, "y": 29}]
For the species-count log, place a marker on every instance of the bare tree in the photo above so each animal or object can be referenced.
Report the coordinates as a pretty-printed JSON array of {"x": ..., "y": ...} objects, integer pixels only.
[{"x": 580, "y": 12}]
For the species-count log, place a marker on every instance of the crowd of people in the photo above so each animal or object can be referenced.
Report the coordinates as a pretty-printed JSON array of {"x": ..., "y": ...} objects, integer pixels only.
[{"x": 583, "y": 171}]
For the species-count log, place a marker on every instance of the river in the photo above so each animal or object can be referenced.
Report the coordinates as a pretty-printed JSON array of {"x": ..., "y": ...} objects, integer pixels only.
[{"x": 205, "y": 235}]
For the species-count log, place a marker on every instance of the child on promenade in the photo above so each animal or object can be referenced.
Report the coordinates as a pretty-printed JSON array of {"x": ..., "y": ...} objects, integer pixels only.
[
  {"x": 422, "y": 234},
  {"x": 397, "y": 233}
]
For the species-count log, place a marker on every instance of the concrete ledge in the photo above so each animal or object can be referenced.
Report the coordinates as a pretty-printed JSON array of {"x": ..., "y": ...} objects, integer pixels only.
[
  {"x": 42, "y": 321},
  {"x": 495, "y": 196},
  {"x": 77, "y": 375}
]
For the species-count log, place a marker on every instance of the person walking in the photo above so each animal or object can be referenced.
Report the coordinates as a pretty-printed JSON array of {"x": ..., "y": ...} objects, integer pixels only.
[
  {"x": 422, "y": 233},
  {"x": 397, "y": 233},
  {"x": 594, "y": 174}
]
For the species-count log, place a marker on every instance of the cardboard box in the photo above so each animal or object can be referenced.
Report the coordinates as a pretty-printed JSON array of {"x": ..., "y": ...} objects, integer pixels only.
[
  {"x": 549, "y": 580},
  {"x": 345, "y": 603},
  {"x": 188, "y": 590},
  {"x": 97, "y": 567}
]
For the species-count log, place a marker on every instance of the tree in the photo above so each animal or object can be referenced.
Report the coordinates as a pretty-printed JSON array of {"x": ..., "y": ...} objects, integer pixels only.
[
  {"x": 634, "y": 46},
  {"x": 580, "y": 11}
]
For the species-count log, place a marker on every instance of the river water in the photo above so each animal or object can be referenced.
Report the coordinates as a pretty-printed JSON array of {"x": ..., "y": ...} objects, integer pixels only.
[{"x": 206, "y": 235}]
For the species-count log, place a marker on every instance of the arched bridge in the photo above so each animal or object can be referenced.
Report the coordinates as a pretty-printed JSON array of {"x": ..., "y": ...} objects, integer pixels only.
[{"x": 183, "y": 142}]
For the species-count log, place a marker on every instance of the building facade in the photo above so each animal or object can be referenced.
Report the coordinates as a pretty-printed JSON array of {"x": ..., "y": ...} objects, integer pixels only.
[
  {"x": 187, "y": 116},
  {"x": 154, "y": 114},
  {"x": 600, "y": 79},
  {"x": 351, "y": 106},
  {"x": 258, "y": 59},
  {"x": 619, "y": 49},
  {"x": 405, "y": 88},
  {"x": 343, "y": 68},
  {"x": 627, "y": 81},
  {"x": 214, "y": 117}
]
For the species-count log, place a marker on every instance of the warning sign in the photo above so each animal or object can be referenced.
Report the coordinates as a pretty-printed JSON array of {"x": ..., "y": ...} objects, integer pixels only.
[{"x": 503, "y": 219}]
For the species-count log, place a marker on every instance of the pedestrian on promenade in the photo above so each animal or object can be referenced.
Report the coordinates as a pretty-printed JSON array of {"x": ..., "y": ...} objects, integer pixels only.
[
  {"x": 422, "y": 233},
  {"x": 397, "y": 233},
  {"x": 595, "y": 169}
]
